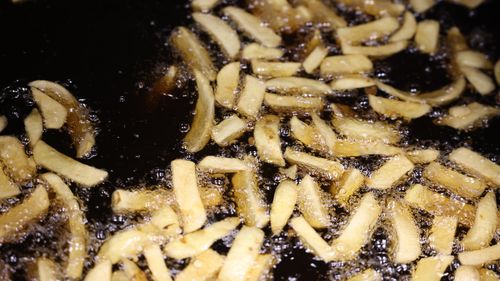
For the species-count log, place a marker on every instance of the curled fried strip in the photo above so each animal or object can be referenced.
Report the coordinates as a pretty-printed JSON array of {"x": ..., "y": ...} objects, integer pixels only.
[
  {"x": 79, "y": 235},
  {"x": 78, "y": 121}
]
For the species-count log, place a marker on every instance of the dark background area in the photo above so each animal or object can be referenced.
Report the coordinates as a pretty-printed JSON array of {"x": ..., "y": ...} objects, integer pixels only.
[
  {"x": 108, "y": 52},
  {"x": 105, "y": 52}
]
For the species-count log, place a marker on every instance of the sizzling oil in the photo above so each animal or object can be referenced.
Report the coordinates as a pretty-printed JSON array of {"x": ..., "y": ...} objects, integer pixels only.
[{"x": 137, "y": 141}]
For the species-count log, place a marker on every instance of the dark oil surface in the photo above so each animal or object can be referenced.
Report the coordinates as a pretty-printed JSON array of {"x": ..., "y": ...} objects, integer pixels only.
[{"x": 109, "y": 52}]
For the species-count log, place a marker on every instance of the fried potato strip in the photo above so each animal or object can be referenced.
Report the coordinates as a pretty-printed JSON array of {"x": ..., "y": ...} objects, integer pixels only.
[
  {"x": 76, "y": 220},
  {"x": 476, "y": 164},
  {"x": 187, "y": 195},
  {"x": 194, "y": 54},
  {"x": 51, "y": 159},
  {"x": 78, "y": 121},
  {"x": 242, "y": 254},
  {"x": 14, "y": 222}
]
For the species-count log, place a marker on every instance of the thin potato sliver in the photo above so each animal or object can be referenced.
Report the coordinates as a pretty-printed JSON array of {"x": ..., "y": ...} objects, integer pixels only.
[
  {"x": 395, "y": 108},
  {"x": 7, "y": 187},
  {"x": 473, "y": 59},
  {"x": 312, "y": 239},
  {"x": 431, "y": 268},
  {"x": 297, "y": 85},
  {"x": 369, "y": 31},
  {"x": 16, "y": 163},
  {"x": 196, "y": 242},
  {"x": 442, "y": 234},
  {"x": 156, "y": 264},
  {"x": 427, "y": 36},
  {"x": 227, "y": 84},
  {"x": 13, "y": 223},
  {"x": 283, "y": 204},
  {"x": 253, "y": 26},
  {"x": 422, "y": 156},
  {"x": 33, "y": 125},
  {"x": 314, "y": 59},
  {"x": 78, "y": 122},
  {"x": 376, "y": 7},
  {"x": 354, "y": 148},
  {"x": 125, "y": 201},
  {"x": 358, "y": 230},
  {"x": 242, "y": 254},
  {"x": 287, "y": 104},
  {"x": 101, "y": 271},
  {"x": 228, "y": 130},
  {"x": 390, "y": 172},
  {"x": 250, "y": 202},
  {"x": 203, "y": 267},
  {"x": 467, "y": 273},
  {"x": 407, "y": 30},
  {"x": 438, "y": 97},
  {"x": 324, "y": 14},
  {"x": 351, "y": 82},
  {"x": 275, "y": 69},
  {"x": 350, "y": 182},
  {"x": 345, "y": 64},
  {"x": 47, "y": 270},
  {"x": 437, "y": 204},
  {"x": 325, "y": 131},
  {"x": 479, "y": 80},
  {"x": 251, "y": 97},
  {"x": 482, "y": 231},
  {"x": 122, "y": 245},
  {"x": 201, "y": 127},
  {"x": 311, "y": 204},
  {"x": 79, "y": 235},
  {"x": 192, "y": 52},
  {"x": 267, "y": 140},
  {"x": 256, "y": 51},
  {"x": 329, "y": 169},
  {"x": 133, "y": 271},
  {"x": 421, "y": 6},
  {"x": 213, "y": 164},
  {"x": 466, "y": 117},
  {"x": 187, "y": 195},
  {"x": 476, "y": 164},
  {"x": 407, "y": 247},
  {"x": 458, "y": 183},
  {"x": 204, "y": 5},
  {"x": 362, "y": 130},
  {"x": 51, "y": 159},
  {"x": 262, "y": 265},
  {"x": 375, "y": 51},
  {"x": 221, "y": 32},
  {"x": 479, "y": 257},
  {"x": 54, "y": 114},
  {"x": 308, "y": 135}
]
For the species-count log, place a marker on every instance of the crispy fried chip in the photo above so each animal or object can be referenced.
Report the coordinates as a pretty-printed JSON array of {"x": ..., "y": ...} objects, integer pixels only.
[
  {"x": 221, "y": 32},
  {"x": 54, "y": 114},
  {"x": 78, "y": 121},
  {"x": 283, "y": 204},
  {"x": 253, "y": 26},
  {"x": 407, "y": 30},
  {"x": 17, "y": 165},
  {"x": 201, "y": 127},
  {"x": 13, "y": 223},
  {"x": 192, "y": 52},
  {"x": 51, "y": 159},
  {"x": 267, "y": 140}
]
